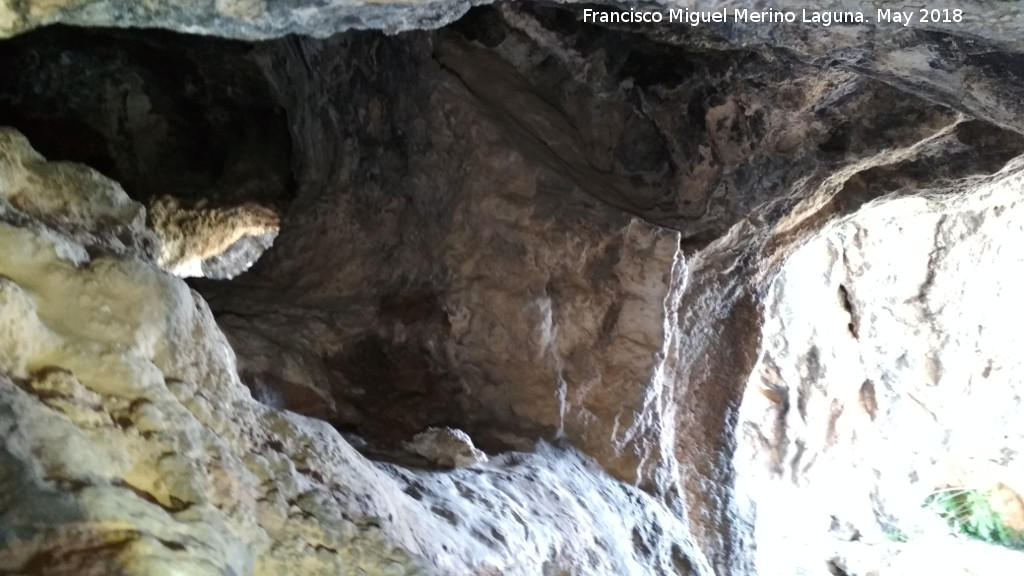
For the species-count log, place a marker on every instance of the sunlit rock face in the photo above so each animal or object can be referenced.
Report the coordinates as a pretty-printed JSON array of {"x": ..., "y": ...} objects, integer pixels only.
[
  {"x": 732, "y": 265},
  {"x": 888, "y": 372}
]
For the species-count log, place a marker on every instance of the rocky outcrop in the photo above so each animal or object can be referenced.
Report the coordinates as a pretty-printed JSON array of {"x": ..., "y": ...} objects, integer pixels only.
[
  {"x": 735, "y": 265},
  {"x": 193, "y": 136},
  {"x": 250, "y": 19},
  {"x": 256, "y": 19},
  {"x": 129, "y": 445},
  {"x": 481, "y": 254},
  {"x": 189, "y": 236},
  {"x": 891, "y": 379}
]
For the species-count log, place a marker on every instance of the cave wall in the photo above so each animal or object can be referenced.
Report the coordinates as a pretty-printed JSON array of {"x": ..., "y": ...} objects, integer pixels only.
[
  {"x": 524, "y": 290},
  {"x": 607, "y": 237},
  {"x": 130, "y": 446},
  {"x": 890, "y": 378}
]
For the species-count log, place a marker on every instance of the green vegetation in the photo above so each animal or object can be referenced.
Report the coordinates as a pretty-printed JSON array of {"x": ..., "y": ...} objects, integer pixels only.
[
  {"x": 968, "y": 512},
  {"x": 896, "y": 535}
]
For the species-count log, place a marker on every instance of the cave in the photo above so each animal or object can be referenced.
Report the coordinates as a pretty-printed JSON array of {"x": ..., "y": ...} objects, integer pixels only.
[{"x": 432, "y": 288}]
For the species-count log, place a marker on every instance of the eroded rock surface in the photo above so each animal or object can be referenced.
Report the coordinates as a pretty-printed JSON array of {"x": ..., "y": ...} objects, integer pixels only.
[
  {"x": 192, "y": 235},
  {"x": 891, "y": 378},
  {"x": 505, "y": 287},
  {"x": 193, "y": 135},
  {"x": 732, "y": 264},
  {"x": 447, "y": 447},
  {"x": 129, "y": 445}
]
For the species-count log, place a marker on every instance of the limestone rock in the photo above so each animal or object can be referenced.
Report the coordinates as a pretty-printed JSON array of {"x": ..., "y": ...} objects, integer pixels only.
[
  {"x": 448, "y": 447},
  {"x": 107, "y": 221},
  {"x": 498, "y": 297},
  {"x": 129, "y": 446},
  {"x": 190, "y": 236},
  {"x": 757, "y": 271},
  {"x": 238, "y": 257},
  {"x": 251, "y": 19},
  {"x": 892, "y": 372}
]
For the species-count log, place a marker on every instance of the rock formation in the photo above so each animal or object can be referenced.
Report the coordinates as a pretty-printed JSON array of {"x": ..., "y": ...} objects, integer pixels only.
[
  {"x": 190, "y": 235},
  {"x": 722, "y": 299},
  {"x": 131, "y": 447}
]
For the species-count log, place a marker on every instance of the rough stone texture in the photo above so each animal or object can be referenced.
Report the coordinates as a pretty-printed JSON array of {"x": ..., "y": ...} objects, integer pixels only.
[
  {"x": 892, "y": 376},
  {"x": 197, "y": 123},
  {"x": 530, "y": 228},
  {"x": 193, "y": 235},
  {"x": 251, "y": 19},
  {"x": 447, "y": 447},
  {"x": 106, "y": 222},
  {"x": 484, "y": 296},
  {"x": 129, "y": 446},
  {"x": 238, "y": 258},
  {"x": 258, "y": 19},
  {"x": 197, "y": 127},
  {"x": 416, "y": 314},
  {"x": 957, "y": 63}
]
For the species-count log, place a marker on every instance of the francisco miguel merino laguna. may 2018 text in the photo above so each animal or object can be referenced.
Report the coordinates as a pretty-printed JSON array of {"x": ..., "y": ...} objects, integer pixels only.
[{"x": 771, "y": 16}]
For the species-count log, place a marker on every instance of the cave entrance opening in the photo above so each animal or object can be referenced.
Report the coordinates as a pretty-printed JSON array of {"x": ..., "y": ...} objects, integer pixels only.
[{"x": 187, "y": 125}]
